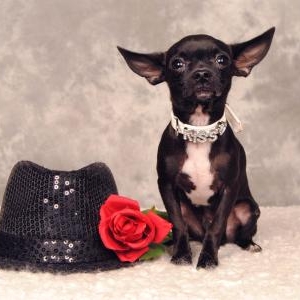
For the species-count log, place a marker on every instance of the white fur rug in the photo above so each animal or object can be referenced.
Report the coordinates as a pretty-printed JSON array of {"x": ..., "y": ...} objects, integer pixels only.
[{"x": 271, "y": 274}]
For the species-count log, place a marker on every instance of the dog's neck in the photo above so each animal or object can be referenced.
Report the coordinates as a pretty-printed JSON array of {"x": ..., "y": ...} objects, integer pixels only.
[
  {"x": 199, "y": 129},
  {"x": 200, "y": 115},
  {"x": 199, "y": 118},
  {"x": 203, "y": 123}
]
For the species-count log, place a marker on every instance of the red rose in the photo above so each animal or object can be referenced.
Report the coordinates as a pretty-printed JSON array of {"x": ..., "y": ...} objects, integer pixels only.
[{"x": 127, "y": 231}]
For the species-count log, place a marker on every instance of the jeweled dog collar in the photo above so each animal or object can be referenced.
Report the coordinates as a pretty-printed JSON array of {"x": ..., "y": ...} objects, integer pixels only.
[{"x": 199, "y": 134}]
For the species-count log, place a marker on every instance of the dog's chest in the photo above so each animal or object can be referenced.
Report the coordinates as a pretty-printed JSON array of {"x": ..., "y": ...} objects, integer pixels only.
[{"x": 197, "y": 164}]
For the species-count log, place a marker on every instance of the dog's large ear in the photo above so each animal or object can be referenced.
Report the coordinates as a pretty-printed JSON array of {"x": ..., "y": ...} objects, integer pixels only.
[
  {"x": 150, "y": 66},
  {"x": 247, "y": 55}
]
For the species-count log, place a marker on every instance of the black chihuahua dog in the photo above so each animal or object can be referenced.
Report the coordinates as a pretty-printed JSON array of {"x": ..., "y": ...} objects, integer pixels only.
[{"x": 201, "y": 165}]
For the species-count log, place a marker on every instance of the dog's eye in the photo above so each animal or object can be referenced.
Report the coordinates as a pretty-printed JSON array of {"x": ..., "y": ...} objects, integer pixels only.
[
  {"x": 177, "y": 64},
  {"x": 222, "y": 60}
]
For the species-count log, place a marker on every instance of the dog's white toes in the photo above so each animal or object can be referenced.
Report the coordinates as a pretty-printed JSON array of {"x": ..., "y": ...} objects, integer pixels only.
[{"x": 254, "y": 248}]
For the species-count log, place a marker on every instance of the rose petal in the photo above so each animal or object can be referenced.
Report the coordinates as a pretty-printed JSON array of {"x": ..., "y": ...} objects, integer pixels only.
[
  {"x": 133, "y": 238},
  {"x": 116, "y": 203},
  {"x": 144, "y": 234},
  {"x": 140, "y": 227},
  {"x": 127, "y": 231},
  {"x": 148, "y": 233},
  {"x": 123, "y": 224},
  {"x": 108, "y": 239},
  {"x": 130, "y": 216},
  {"x": 162, "y": 227},
  {"x": 118, "y": 219},
  {"x": 135, "y": 233},
  {"x": 131, "y": 255}
]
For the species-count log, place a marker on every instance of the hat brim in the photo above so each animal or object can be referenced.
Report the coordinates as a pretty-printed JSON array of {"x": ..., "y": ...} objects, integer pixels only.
[
  {"x": 18, "y": 253},
  {"x": 108, "y": 265}
]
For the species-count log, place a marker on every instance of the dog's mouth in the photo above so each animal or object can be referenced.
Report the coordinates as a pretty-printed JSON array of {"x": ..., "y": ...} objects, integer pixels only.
[{"x": 204, "y": 93}]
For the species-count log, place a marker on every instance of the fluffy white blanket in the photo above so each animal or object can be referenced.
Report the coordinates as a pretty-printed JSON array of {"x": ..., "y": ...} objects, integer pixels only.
[{"x": 271, "y": 274}]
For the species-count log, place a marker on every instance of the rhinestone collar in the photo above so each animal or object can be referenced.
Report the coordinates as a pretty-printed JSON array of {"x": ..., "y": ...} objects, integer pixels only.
[{"x": 199, "y": 134}]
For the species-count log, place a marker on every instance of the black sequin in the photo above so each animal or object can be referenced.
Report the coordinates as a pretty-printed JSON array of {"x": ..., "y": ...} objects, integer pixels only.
[{"x": 49, "y": 219}]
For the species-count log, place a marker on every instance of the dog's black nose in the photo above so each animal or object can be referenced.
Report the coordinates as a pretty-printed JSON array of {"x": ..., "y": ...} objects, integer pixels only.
[{"x": 202, "y": 75}]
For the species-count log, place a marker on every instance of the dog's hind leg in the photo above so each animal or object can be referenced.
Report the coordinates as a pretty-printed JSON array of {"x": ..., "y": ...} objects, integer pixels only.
[
  {"x": 247, "y": 214},
  {"x": 193, "y": 218}
]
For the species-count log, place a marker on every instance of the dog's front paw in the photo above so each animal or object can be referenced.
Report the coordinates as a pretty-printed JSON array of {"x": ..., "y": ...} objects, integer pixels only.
[
  {"x": 207, "y": 261},
  {"x": 182, "y": 259},
  {"x": 182, "y": 254},
  {"x": 254, "y": 248}
]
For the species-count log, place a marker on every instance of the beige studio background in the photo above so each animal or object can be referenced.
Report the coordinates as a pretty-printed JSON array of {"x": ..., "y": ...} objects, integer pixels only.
[{"x": 67, "y": 98}]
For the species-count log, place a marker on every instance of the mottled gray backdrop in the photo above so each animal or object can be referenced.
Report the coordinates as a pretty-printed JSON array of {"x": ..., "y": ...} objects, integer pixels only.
[{"x": 67, "y": 98}]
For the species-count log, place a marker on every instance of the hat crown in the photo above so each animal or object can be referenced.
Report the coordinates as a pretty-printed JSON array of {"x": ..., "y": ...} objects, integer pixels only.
[
  {"x": 44, "y": 203},
  {"x": 49, "y": 219}
]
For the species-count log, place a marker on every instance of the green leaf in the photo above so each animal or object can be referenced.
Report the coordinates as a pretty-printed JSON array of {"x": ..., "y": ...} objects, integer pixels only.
[
  {"x": 162, "y": 214},
  {"x": 155, "y": 251},
  {"x": 168, "y": 238}
]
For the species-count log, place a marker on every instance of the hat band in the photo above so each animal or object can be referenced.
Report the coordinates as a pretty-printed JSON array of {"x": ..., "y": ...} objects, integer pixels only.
[{"x": 53, "y": 251}]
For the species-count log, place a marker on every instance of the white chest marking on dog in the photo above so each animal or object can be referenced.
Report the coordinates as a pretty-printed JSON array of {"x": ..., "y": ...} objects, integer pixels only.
[{"x": 197, "y": 164}]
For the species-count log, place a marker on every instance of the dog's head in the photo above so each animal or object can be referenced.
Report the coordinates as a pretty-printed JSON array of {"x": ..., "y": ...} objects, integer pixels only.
[{"x": 198, "y": 69}]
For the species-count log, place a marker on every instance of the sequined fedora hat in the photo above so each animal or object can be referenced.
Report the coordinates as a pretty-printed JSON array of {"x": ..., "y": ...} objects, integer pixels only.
[{"x": 48, "y": 219}]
